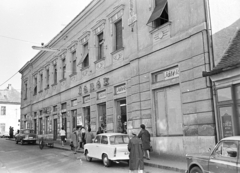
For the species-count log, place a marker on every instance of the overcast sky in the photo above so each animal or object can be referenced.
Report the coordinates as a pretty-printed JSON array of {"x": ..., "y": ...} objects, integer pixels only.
[{"x": 24, "y": 23}]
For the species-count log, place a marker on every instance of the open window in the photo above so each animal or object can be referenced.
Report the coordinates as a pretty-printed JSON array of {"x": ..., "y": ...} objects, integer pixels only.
[
  {"x": 85, "y": 62},
  {"x": 160, "y": 14}
]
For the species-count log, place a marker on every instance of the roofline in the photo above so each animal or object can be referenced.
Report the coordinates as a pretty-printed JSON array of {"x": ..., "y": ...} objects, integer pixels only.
[
  {"x": 61, "y": 33},
  {"x": 10, "y": 103},
  {"x": 217, "y": 71}
]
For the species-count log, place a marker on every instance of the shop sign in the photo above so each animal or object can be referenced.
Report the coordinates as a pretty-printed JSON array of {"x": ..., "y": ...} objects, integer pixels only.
[
  {"x": 79, "y": 121},
  {"x": 101, "y": 95},
  {"x": 86, "y": 99},
  {"x": 227, "y": 125},
  {"x": 74, "y": 102},
  {"x": 172, "y": 73},
  {"x": 120, "y": 89}
]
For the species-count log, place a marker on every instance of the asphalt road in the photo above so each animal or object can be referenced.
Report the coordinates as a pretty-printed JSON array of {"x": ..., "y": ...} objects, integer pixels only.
[{"x": 16, "y": 158}]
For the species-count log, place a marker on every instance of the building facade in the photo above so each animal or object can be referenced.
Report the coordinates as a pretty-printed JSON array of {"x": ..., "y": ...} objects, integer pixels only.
[
  {"x": 10, "y": 103},
  {"x": 124, "y": 63}
]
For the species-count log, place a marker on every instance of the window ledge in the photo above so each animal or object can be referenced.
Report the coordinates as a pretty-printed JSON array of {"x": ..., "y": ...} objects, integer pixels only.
[
  {"x": 54, "y": 84},
  {"x": 116, "y": 51},
  {"x": 25, "y": 99},
  {"x": 62, "y": 80},
  {"x": 160, "y": 27},
  {"x": 99, "y": 60},
  {"x": 73, "y": 74},
  {"x": 84, "y": 68},
  {"x": 40, "y": 91}
]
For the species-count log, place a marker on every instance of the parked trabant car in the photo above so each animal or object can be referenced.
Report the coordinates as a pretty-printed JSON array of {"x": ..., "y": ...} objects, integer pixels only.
[
  {"x": 26, "y": 136},
  {"x": 224, "y": 158},
  {"x": 109, "y": 147}
]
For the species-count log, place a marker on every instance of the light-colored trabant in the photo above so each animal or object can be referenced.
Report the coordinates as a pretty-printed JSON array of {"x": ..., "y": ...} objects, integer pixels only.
[
  {"x": 224, "y": 158},
  {"x": 108, "y": 147}
]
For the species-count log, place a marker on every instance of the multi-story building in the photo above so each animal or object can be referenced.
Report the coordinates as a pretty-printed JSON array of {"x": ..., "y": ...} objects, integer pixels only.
[
  {"x": 124, "y": 63},
  {"x": 10, "y": 103}
]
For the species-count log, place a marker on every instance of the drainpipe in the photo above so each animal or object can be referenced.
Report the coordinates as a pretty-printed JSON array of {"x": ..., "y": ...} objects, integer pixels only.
[{"x": 211, "y": 61}]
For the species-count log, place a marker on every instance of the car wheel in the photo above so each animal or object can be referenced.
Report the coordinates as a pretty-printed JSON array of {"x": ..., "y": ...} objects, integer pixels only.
[
  {"x": 89, "y": 159},
  {"x": 22, "y": 142},
  {"x": 16, "y": 141},
  {"x": 106, "y": 161},
  {"x": 34, "y": 142},
  {"x": 195, "y": 170}
]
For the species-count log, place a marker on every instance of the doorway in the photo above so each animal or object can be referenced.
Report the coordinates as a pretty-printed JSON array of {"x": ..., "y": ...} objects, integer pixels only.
[
  {"x": 121, "y": 116},
  {"x": 35, "y": 126},
  {"x": 64, "y": 122},
  {"x": 102, "y": 116},
  {"x": 87, "y": 117}
]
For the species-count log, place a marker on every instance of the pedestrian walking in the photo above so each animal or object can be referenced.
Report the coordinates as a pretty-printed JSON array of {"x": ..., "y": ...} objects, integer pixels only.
[
  {"x": 83, "y": 133},
  {"x": 145, "y": 137},
  {"x": 136, "y": 154},
  {"x": 79, "y": 138},
  {"x": 63, "y": 136},
  {"x": 74, "y": 139},
  {"x": 99, "y": 130},
  {"x": 89, "y": 136}
]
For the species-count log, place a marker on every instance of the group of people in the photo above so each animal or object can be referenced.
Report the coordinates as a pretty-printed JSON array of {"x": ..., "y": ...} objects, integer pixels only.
[{"x": 138, "y": 146}]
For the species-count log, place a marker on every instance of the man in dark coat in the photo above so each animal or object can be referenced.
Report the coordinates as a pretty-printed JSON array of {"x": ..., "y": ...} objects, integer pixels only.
[
  {"x": 145, "y": 137},
  {"x": 136, "y": 154}
]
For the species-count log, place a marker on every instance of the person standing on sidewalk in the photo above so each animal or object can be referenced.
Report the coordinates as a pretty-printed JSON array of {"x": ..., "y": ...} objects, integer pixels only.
[
  {"x": 79, "y": 138},
  {"x": 62, "y": 135},
  {"x": 89, "y": 136},
  {"x": 83, "y": 132},
  {"x": 74, "y": 138},
  {"x": 145, "y": 137},
  {"x": 136, "y": 154}
]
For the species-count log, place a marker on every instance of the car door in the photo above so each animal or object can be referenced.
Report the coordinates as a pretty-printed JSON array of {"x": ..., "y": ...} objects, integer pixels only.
[
  {"x": 94, "y": 152},
  {"x": 104, "y": 147},
  {"x": 224, "y": 157}
]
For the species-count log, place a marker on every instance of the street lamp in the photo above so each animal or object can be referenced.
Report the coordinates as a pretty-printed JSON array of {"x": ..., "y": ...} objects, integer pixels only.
[{"x": 44, "y": 48}]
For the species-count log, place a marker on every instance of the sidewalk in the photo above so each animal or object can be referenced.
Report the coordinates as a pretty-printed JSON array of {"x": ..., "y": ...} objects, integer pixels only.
[{"x": 163, "y": 162}]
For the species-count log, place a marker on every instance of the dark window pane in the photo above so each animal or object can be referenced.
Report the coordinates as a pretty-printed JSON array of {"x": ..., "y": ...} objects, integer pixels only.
[
  {"x": 224, "y": 94},
  {"x": 119, "y": 42}
]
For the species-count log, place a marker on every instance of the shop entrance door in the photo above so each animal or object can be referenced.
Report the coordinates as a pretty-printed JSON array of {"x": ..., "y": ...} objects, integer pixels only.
[
  {"x": 55, "y": 129},
  {"x": 64, "y": 122},
  {"x": 121, "y": 116},
  {"x": 102, "y": 116},
  {"x": 87, "y": 117}
]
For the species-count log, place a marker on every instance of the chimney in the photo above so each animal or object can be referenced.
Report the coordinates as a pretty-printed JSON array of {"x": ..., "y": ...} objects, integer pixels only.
[{"x": 9, "y": 87}]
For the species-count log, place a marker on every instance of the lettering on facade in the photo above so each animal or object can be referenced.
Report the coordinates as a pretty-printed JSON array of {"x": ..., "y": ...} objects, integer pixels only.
[
  {"x": 101, "y": 95},
  {"x": 172, "y": 73},
  {"x": 227, "y": 125},
  {"x": 86, "y": 99},
  {"x": 120, "y": 89}
]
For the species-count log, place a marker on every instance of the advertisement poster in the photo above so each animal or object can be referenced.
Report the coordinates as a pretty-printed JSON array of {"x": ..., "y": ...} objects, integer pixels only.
[
  {"x": 79, "y": 121},
  {"x": 227, "y": 125}
]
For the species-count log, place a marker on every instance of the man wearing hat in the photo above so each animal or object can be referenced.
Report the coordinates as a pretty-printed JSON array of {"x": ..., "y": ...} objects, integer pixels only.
[
  {"x": 136, "y": 154},
  {"x": 74, "y": 138}
]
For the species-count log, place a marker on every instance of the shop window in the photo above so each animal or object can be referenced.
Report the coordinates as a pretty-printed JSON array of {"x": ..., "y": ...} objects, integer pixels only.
[
  {"x": 118, "y": 35},
  {"x": 100, "y": 46},
  {"x": 121, "y": 116},
  {"x": 47, "y": 125},
  {"x": 40, "y": 126},
  {"x": 74, "y": 118},
  {"x": 227, "y": 121},
  {"x": 168, "y": 111},
  {"x": 3, "y": 110},
  {"x": 159, "y": 15}
]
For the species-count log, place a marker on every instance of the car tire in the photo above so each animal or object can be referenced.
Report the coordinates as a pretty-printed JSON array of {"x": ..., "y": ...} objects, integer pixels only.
[
  {"x": 106, "y": 161},
  {"x": 89, "y": 159},
  {"x": 196, "y": 169}
]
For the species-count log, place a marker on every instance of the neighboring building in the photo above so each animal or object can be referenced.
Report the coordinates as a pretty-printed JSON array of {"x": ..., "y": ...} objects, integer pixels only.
[
  {"x": 10, "y": 102},
  {"x": 226, "y": 78},
  {"x": 127, "y": 62}
]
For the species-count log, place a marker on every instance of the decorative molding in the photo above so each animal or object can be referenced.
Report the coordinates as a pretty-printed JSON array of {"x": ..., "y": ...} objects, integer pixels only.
[
  {"x": 99, "y": 27},
  {"x": 85, "y": 89},
  {"x": 98, "y": 85},
  {"x": 116, "y": 11},
  {"x": 105, "y": 81},
  {"x": 80, "y": 90},
  {"x": 63, "y": 53},
  {"x": 72, "y": 47},
  {"x": 92, "y": 87},
  {"x": 85, "y": 37}
]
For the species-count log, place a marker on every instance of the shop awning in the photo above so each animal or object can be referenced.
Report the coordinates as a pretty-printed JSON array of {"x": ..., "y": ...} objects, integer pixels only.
[{"x": 160, "y": 5}]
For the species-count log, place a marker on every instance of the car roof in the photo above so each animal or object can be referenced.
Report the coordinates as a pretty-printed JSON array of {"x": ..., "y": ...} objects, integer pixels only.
[
  {"x": 236, "y": 138},
  {"x": 112, "y": 134}
]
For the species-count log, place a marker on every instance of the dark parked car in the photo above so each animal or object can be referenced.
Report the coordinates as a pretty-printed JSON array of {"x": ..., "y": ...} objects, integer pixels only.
[
  {"x": 26, "y": 136},
  {"x": 224, "y": 158}
]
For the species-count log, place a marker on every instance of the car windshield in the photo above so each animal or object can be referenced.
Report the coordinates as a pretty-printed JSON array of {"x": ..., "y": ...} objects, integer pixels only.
[
  {"x": 119, "y": 139},
  {"x": 28, "y": 131}
]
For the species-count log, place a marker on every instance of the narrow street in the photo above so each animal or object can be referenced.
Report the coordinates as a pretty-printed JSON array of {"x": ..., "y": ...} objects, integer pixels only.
[{"x": 17, "y": 158}]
